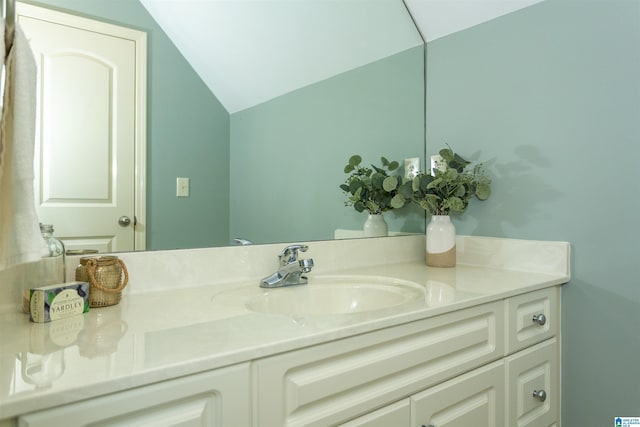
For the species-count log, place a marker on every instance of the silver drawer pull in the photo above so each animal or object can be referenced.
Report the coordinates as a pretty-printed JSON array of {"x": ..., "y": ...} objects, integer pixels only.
[
  {"x": 540, "y": 319},
  {"x": 541, "y": 395}
]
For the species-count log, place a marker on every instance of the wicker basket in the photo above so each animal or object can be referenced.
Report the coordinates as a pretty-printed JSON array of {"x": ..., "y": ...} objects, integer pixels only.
[{"x": 107, "y": 277}]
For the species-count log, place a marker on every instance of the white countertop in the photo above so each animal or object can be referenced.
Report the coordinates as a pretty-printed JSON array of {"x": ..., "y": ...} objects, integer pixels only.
[{"x": 166, "y": 333}]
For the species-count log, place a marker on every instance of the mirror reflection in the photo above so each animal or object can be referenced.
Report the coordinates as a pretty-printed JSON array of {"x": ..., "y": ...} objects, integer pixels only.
[{"x": 260, "y": 104}]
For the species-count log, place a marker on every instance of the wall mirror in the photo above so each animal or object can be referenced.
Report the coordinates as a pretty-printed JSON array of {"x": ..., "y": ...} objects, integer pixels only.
[{"x": 260, "y": 104}]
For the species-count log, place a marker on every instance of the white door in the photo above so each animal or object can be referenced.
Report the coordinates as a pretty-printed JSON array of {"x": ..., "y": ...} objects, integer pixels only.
[{"x": 90, "y": 122}]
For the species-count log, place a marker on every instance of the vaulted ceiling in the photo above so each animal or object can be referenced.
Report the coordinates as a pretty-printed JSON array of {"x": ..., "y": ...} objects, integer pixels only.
[{"x": 250, "y": 51}]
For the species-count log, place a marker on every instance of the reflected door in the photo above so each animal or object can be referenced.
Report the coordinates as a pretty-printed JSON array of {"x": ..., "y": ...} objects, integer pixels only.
[{"x": 87, "y": 128}]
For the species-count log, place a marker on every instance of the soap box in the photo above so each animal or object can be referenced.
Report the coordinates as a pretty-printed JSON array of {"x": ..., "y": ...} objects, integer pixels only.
[{"x": 58, "y": 301}]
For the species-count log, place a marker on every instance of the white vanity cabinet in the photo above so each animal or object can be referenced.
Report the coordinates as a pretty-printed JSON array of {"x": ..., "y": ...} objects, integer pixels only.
[
  {"x": 216, "y": 398},
  {"x": 451, "y": 370},
  {"x": 481, "y": 349}
]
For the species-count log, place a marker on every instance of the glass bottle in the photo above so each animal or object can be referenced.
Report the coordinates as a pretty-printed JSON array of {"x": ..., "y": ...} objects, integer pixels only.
[
  {"x": 52, "y": 262},
  {"x": 49, "y": 270}
]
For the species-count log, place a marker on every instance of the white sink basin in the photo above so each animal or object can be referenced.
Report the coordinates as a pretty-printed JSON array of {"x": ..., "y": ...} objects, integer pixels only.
[{"x": 336, "y": 295}]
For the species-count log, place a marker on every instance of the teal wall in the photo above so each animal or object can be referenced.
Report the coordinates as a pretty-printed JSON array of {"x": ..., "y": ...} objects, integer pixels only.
[
  {"x": 549, "y": 98},
  {"x": 373, "y": 110},
  {"x": 186, "y": 127}
]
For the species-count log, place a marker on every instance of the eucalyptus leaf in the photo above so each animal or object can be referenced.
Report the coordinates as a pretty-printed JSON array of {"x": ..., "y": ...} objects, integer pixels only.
[
  {"x": 460, "y": 160},
  {"x": 377, "y": 180},
  {"x": 393, "y": 166},
  {"x": 372, "y": 207},
  {"x": 483, "y": 191},
  {"x": 434, "y": 184},
  {"x": 407, "y": 189},
  {"x": 390, "y": 183},
  {"x": 455, "y": 204},
  {"x": 425, "y": 180},
  {"x": 355, "y": 185},
  {"x": 446, "y": 154},
  {"x": 432, "y": 198},
  {"x": 355, "y": 160},
  {"x": 383, "y": 200},
  {"x": 449, "y": 175},
  {"x": 397, "y": 201},
  {"x": 415, "y": 183}
]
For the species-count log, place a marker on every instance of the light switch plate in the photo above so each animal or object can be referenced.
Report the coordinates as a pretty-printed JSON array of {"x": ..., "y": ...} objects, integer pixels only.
[
  {"x": 182, "y": 187},
  {"x": 411, "y": 167}
]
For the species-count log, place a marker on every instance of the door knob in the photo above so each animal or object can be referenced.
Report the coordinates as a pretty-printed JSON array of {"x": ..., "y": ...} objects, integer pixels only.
[{"x": 124, "y": 221}]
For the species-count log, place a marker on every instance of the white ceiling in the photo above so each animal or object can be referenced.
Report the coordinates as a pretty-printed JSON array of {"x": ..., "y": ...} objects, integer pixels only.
[
  {"x": 250, "y": 51},
  {"x": 438, "y": 18}
]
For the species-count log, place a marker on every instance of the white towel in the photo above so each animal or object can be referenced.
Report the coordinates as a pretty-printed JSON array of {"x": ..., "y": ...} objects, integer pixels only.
[
  {"x": 3, "y": 52},
  {"x": 20, "y": 237}
]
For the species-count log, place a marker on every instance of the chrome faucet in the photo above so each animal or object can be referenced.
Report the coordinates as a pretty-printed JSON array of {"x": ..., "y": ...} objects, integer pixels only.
[{"x": 291, "y": 269}]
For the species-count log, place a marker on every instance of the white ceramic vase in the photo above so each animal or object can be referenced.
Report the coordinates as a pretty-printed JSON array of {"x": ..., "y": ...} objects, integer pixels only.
[
  {"x": 441, "y": 242},
  {"x": 375, "y": 226}
]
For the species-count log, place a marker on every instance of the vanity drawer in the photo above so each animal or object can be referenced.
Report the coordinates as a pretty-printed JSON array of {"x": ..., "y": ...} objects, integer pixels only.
[
  {"x": 531, "y": 318},
  {"x": 533, "y": 369},
  {"x": 338, "y": 381}
]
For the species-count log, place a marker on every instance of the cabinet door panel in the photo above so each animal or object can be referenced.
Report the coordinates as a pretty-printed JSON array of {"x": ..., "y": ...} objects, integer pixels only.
[
  {"x": 535, "y": 368},
  {"x": 330, "y": 383},
  {"x": 475, "y": 399},
  {"x": 216, "y": 398}
]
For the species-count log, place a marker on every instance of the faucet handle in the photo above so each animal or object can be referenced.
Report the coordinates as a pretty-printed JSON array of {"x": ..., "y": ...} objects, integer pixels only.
[
  {"x": 306, "y": 265},
  {"x": 290, "y": 253}
]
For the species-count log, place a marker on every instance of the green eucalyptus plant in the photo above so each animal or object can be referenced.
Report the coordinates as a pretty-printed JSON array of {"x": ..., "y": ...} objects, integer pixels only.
[
  {"x": 449, "y": 188},
  {"x": 372, "y": 189}
]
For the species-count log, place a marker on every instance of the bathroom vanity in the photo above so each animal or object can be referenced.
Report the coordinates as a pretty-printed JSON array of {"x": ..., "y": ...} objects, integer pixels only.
[{"x": 479, "y": 346}]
